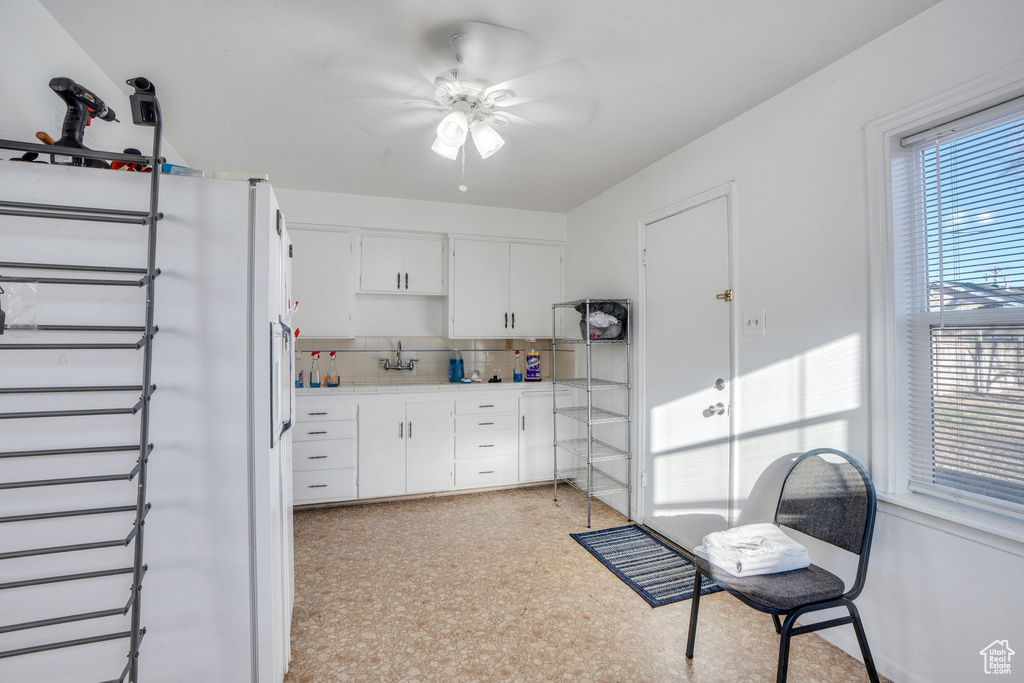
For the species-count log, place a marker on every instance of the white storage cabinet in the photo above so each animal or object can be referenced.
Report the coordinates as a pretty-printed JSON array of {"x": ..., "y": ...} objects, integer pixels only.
[
  {"x": 401, "y": 265},
  {"x": 405, "y": 448},
  {"x": 486, "y": 442},
  {"x": 502, "y": 289},
  {"x": 322, "y": 283},
  {"x": 324, "y": 452}
]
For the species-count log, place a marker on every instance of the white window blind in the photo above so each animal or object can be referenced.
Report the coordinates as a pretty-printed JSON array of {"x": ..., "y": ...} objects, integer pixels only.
[{"x": 958, "y": 210}]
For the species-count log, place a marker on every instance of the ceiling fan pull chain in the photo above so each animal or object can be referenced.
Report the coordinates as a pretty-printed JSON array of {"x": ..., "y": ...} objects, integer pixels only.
[{"x": 463, "y": 187}]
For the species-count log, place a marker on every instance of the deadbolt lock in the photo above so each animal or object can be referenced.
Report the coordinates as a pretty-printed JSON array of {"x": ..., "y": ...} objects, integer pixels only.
[{"x": 725, "y": 296}]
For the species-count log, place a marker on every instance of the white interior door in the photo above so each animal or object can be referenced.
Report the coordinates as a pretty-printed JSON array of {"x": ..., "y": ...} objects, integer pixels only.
[
  {"x": 536, "y": 283},
  {"x": 688, "y": 371},
  {"x": 428, "y": 446},
  {"x": 423, "y": 266},
  {"x": 480, "y": 280},
  {"x": 381, "y": 450},
  {"x": 380, "y": 264}
]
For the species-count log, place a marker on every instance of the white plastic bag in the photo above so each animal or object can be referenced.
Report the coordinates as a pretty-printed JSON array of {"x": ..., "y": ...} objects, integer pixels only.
[{"x": 18, "y": 301}]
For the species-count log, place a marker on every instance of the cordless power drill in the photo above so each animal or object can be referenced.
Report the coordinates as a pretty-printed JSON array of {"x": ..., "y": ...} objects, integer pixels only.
[{"x": 83, "y": 106}]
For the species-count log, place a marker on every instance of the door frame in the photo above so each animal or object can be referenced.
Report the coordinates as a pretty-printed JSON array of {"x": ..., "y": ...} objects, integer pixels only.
[{"x": 728, "y": 191}]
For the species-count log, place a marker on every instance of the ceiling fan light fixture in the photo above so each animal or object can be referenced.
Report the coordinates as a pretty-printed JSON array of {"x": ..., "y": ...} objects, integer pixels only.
[
  {"x": 453, "y": 128},
  {"x": 445, "y": 150},
  {"x": 486, "y": 139}
]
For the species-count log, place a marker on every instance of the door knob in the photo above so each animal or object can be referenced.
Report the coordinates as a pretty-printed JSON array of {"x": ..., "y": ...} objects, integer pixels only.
[{"x": 716, "y": 409}]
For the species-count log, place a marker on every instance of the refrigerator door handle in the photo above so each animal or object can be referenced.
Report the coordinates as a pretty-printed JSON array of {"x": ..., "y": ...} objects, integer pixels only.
[{"x": 287, "y": 417}]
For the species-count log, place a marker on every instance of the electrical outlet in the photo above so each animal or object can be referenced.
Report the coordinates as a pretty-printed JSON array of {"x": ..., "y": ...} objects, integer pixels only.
[
  {"x": 754, "y": 322},
  {"x": 508, "y": 344}
]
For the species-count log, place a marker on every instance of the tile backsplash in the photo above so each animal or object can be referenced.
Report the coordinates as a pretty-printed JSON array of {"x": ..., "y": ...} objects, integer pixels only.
[{"x": 360, "y": 360}]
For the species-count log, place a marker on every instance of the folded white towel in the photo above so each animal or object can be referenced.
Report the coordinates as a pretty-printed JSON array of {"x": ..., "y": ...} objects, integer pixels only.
[{"x": 753, "y": 550}]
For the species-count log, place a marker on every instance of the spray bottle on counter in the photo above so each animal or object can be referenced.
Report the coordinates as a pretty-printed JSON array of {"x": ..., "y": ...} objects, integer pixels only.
[
  {"x": 517, "y": 369},
  {"x": 314, "y": 371},
  {"x": 332, "y": 371}
]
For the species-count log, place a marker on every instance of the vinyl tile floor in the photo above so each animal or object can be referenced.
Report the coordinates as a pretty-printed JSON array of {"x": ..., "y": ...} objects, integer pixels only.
[{"x": 490, "y": 587}]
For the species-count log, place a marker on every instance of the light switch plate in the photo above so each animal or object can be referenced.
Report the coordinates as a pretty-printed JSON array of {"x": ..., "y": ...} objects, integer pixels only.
[{"x": 754, "y": 323}]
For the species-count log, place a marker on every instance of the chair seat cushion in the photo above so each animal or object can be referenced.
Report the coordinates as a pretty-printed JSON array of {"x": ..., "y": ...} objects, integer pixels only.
[{"x": 784, "y": 591}]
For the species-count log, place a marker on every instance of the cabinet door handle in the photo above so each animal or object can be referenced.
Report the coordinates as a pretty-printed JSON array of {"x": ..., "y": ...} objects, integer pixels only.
[
  {"x": 486, "y": 445},
  {"x": 401, "y": 430},
  {"x": 410, "y": 429},
  {"x": 320, "y": 432},
  {"x": 524, "y": 423},
  {"x": 399, "y": 285},
  {"x": 486, "y": 405},
  {"x": 407, "y": 280},
  {"x": 481, "y": 424},
  {"x": 513, "y": 321},
  {"x": 486, "y": 472},
  {"x": 317, "y": 457},
  {"x": 323, "y": 486},
  {"x": 320, "y": 413},
  {"x": 506, "y": 320}
]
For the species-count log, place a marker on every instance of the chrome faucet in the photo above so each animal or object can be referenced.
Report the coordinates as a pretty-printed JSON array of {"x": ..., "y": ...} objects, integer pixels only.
[{"x": 411, "y": 365}]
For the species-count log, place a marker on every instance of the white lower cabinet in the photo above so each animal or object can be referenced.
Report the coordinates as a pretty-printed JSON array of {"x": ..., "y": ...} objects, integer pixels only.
[
  {"x": 381, "y": 450},
  {"x": 404, "y": 448},
  {"x": 428, "y": 447},
  {"x": 536, "y": 430},
  {"x": 373, "y": 446},
  {"x": 323, "y": 454},
  {"x": 486, "y": 447}
]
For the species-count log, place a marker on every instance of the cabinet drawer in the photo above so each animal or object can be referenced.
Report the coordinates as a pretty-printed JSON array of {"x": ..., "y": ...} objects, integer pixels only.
[
  {"x": 324, "y": 431},
  {"x": 323, "y": 485},
  {"x": 487, "y": 471},
  {"x": 323, "y": 412},
  {"x": 486, "y": 444},
  {"x": 485, "y": 423},
  {"x": 483, "y": 407},
  {"x": 323, "y": 455}
]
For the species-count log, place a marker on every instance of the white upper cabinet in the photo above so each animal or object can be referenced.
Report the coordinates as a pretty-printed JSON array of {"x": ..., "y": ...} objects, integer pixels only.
[
  {"x": 535, "y": 284},
  {"x": 503, "y": 289},
  {"x": 479, "y": 291},
  {"x": 322, "y": 282},
  {"x": 401, "y": 265}
]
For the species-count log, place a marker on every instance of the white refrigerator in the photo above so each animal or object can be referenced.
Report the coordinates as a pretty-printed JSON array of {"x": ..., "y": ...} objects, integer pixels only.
[{"x": 218, "y": 592}]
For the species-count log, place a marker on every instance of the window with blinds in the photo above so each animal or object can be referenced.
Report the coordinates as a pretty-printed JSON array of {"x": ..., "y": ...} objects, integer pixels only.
[{"x": 958, "y": 210}]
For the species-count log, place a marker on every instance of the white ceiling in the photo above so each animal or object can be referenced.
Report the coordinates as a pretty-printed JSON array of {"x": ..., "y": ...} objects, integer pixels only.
[{"x": 254, "y": 84}]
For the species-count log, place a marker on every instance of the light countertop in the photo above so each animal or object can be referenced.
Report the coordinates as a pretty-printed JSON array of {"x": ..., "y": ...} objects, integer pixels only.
[{"x": 353, "y": 388}]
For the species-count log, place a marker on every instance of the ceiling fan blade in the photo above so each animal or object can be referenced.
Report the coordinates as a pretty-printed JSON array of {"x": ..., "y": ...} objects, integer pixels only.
[
  {"x": 496, "y": 52},
  {"x": 559, "y": 114},
  {"x": 397, "y": 123},
  {"x": 568, "y": 77}
]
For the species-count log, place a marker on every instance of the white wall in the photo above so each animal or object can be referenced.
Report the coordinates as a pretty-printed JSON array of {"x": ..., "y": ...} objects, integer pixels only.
[
  {"x": 413, "y": 215},
  {"x": 933, "y": 600},
  {"x": 33, "y": 49}
]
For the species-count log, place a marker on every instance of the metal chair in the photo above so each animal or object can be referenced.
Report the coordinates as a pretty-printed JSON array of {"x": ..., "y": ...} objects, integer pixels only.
[{"x": 833, "y": 500}]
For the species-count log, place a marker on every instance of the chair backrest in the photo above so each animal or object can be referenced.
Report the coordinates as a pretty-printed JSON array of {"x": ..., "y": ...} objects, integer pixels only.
[{"x": 828, "y": 495}]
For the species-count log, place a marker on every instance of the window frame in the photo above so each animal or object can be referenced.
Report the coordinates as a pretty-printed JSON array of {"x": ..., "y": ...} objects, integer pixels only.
[{"x": 889, "y": 417}]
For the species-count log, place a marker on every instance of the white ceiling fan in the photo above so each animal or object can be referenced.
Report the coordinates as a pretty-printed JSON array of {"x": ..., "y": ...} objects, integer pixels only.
[{"x": 491, "y": 78}]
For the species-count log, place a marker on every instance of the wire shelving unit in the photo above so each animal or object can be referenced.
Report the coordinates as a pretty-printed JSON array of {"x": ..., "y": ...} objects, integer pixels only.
[
  {"x": 584, "y": 452},
  {"x": 146, "y": 112}
]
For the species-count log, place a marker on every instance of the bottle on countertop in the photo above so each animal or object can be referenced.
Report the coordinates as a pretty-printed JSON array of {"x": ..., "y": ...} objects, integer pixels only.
[
  {"x": 314, "y": 371},
  {"x": 517, "y": 370},
  {"x": 301, "y": 377},
  {"x": 532, "y": 363},
  {"x": 332, "y": 371}
]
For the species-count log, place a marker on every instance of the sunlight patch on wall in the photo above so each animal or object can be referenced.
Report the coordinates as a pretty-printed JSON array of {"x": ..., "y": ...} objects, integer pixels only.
[{"x": 822, "y": 381}]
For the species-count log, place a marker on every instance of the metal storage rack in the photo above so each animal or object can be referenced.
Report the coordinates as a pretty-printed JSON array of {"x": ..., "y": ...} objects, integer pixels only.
[
  {"x": 145, "y": 112},
  {"x": 582, "y": 474}
]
